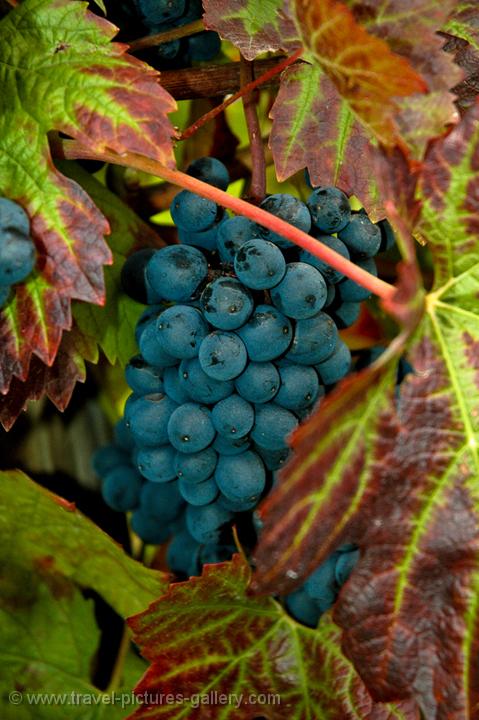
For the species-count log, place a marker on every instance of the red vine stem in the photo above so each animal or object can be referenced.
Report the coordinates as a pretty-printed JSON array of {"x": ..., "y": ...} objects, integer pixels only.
[
  {"x": 175, "y": 34},
  {"x": 245, "y": 90},
  {"x": 258, "y": 175},
  {"x": 71, "y": 150}
]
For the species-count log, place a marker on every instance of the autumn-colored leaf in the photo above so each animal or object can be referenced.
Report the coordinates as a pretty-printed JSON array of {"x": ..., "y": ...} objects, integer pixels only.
[
  {"x": 464, "y": 23},
  {"x": 82, "y": 84},
  {"x": 467, "y": 57},
  {"x": 221, "y": 654},
  {"x": 253, "y": 27}
]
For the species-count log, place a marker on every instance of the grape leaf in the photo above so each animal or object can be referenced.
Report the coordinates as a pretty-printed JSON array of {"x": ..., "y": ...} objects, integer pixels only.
[
  {"x": 61, "y": 72},
  {"x": 39, "y": 528},
  {"x": 466, "y": 56},
  {"x": 205, "y": 639},
  {"x": 253, "y": 27},
  {"x": 409, "y": 611},
  {"x": 314, "y": 128},
  {"x": 464, "y": 23}
]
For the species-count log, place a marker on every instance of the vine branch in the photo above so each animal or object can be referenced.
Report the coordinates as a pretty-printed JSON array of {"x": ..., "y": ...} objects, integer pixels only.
[
  {"x": 177, "y": 33},
  {"x": 258, "y": 177},
  {"x": 71, "y": 150}
]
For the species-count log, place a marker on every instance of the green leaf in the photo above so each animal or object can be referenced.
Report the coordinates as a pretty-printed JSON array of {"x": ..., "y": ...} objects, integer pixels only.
[
  {"x": 463, "y": 23},
  {"x": 206, "y": 638},
  {"x": 41, "y": 529},
  {"x": 60, "y": 72}
]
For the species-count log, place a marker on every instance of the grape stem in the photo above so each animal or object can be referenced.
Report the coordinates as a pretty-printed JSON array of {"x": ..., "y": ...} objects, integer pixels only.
[
  {"x": 191, "y": 28},
  {"x": 258, "y": 175},
  {"x": 71, "y": 150},
  {"x": 242, "y": 92}
]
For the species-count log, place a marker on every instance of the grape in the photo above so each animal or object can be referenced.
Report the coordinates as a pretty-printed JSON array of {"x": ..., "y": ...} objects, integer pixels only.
[
  {"x": 193, "y": 212},
  {"x": 173, "y": 386},
  {"x": 121, "y": 488},
  {"x": 149, "y": 528},
  {"x": 182, "y": 555},
  {"x": 240, "y": 477},
  {"x": 4, "y": 294},
  {"x": 148, "y": 419},
  {"x": 196, "y": 467},
  {"x": 314, "y": 340},
  {"x": 150, "y": 348},
  {"x": 146, "y": 318},
  {"x": 299, "y": 386},
  {"x": 210, "y": 170},
  {"x": 13, "y": 217},
  {"x": 301, "y": 293},
  {"x": 387, "y": 235},
  {"x": 345, "y": 565},
  {"x": 190, "y": 428},
  {"x": 273, "y": 459},
  {"x": 123, "y": 436},
  {"x": 223, "y": 446},
  {"x": 238, "y": 505},
  {"x": 337, "y": 365},
  {"x": 303, "y": 608},
  {"x": 181, "y": 329},
  {"x": 346, "y": 314},
  {"x": 133, "y": 277},
  {"x": 214, "y": 553},
  {"x": 200, "y": 386},
  {"x": 361, "y": 236},
  {"x": 259, "y": 264},
  {"x": 329, "y": 208},
  {"x": 226, "y": 303},
  {"x": 204, "y": 45},
  {"x": 206, "y": 239},
  {"x": 157, "y": 464},
  {"x": 287, "y": 208},
  {"x": 331, "y": 275},
  {"x": 222, "y": 355},
  {"x": 17, "y": 256},
  {"x": 204, "y": 523},
  {"x": 232, "y": 234},
  {"x": 330, "y": 296},
  {"x": 107, "y": 458},
  {"x": 272, "y": 426},
  {"x": 267, "y": 334},
  {"x": 143, "y": 378},
  {"x": 199, "y": 493},
  {"x": 258, "y": 383},
  {"x": 163, "y": 500},
  {"x": 350, "y": 291},
  {"x": 320, "y": 584},
  {"x": 155, "y": 12},
  {"x": 233, "y": 417},
  {"x": 176, "y": 271}
]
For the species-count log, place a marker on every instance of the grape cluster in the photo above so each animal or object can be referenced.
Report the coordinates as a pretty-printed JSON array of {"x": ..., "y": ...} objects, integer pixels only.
[
  {"x": 238, "y": 344},
  {"x": 17, "y": 251}
]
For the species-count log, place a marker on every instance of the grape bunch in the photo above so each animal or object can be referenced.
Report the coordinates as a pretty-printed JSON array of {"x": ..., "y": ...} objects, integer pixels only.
[
  {"x": 238, "y": 343},
  {"x": 17, "y": 251}
]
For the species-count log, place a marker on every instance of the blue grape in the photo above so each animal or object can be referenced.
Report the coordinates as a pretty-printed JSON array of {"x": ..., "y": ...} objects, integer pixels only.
[
  {"x": 320, "y": 585},
  {"x": 204, "y": 523},
  {"x": 222, "y": 355},
  {"x": 200, "y": 386},
  {"x": 151, "y": 349},
  {"x": 211, "y": 171},
  {"x": 107, "y": 458},
  {"x": 226, "y": 303},
  {"x": 146, "y": 318},
  {"x": 331, "y": 275},
  {"x": 13, "y": 217},
  {"x": 346, "y": 314},
  {"x": 331, "y": 296},
  {"x": 196, "y": 467},
  {"x": 388, "y": 239},
  {"x": 314, "y": 340},
  {"x": 350, "y": 291},
  {"x": 190, "y": 428},
  {"x": 193, "y": 212},
  {"x": 273, "y": 424},
  {"x": 301, "y": 293},
  {"x": 232, "y": 234},
  {"x": 4, "y": 294},
  {"x": 183, "y": 554},
  {"x": 204, "y": 45},
  {"x": 162, "y": 500},
  {"x": 181, "y": 329},
  {"x": 155, "y": 12},
  {"x": 240, "y": 477},
  {"x": 287, "y": 208},
  {"x": 259, "y": 264},
  {"x": 267, "y": 334},
  {"x": 223, "y": 446},
  {"x": 329, "y": 208},
  {"x": 176, "y": 271},
  {"x": 299, "y": 386},
  {"x": 157, "y": 464},
  {"x": 361, "y": 236},
  {"x": 303, "y": 608},
  {"x": 17, "y": 256},
  {"x": 233, "y": 417},
  {"x": 273, "y": 459},
  {"x": 173, "y": 386},
  {"x": 121, "y": 488},
  {"x": 337, "y": 365},
  {"x": 142, "y": 378},
  {"x": 123, "y": 436},
  {"x": 149, "y": 528},
  {"x": 198, "y": 494},
  {"x": 148, "y": 418},
  {"x": 258, "y": 383},
  {"x": 344, "y": 565},
  {"x": 133, "y": 277},
  {"x": 205, "y": 239},
  {"x": 214, "y": 553},
  {"x": 238, "y": 506}
]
